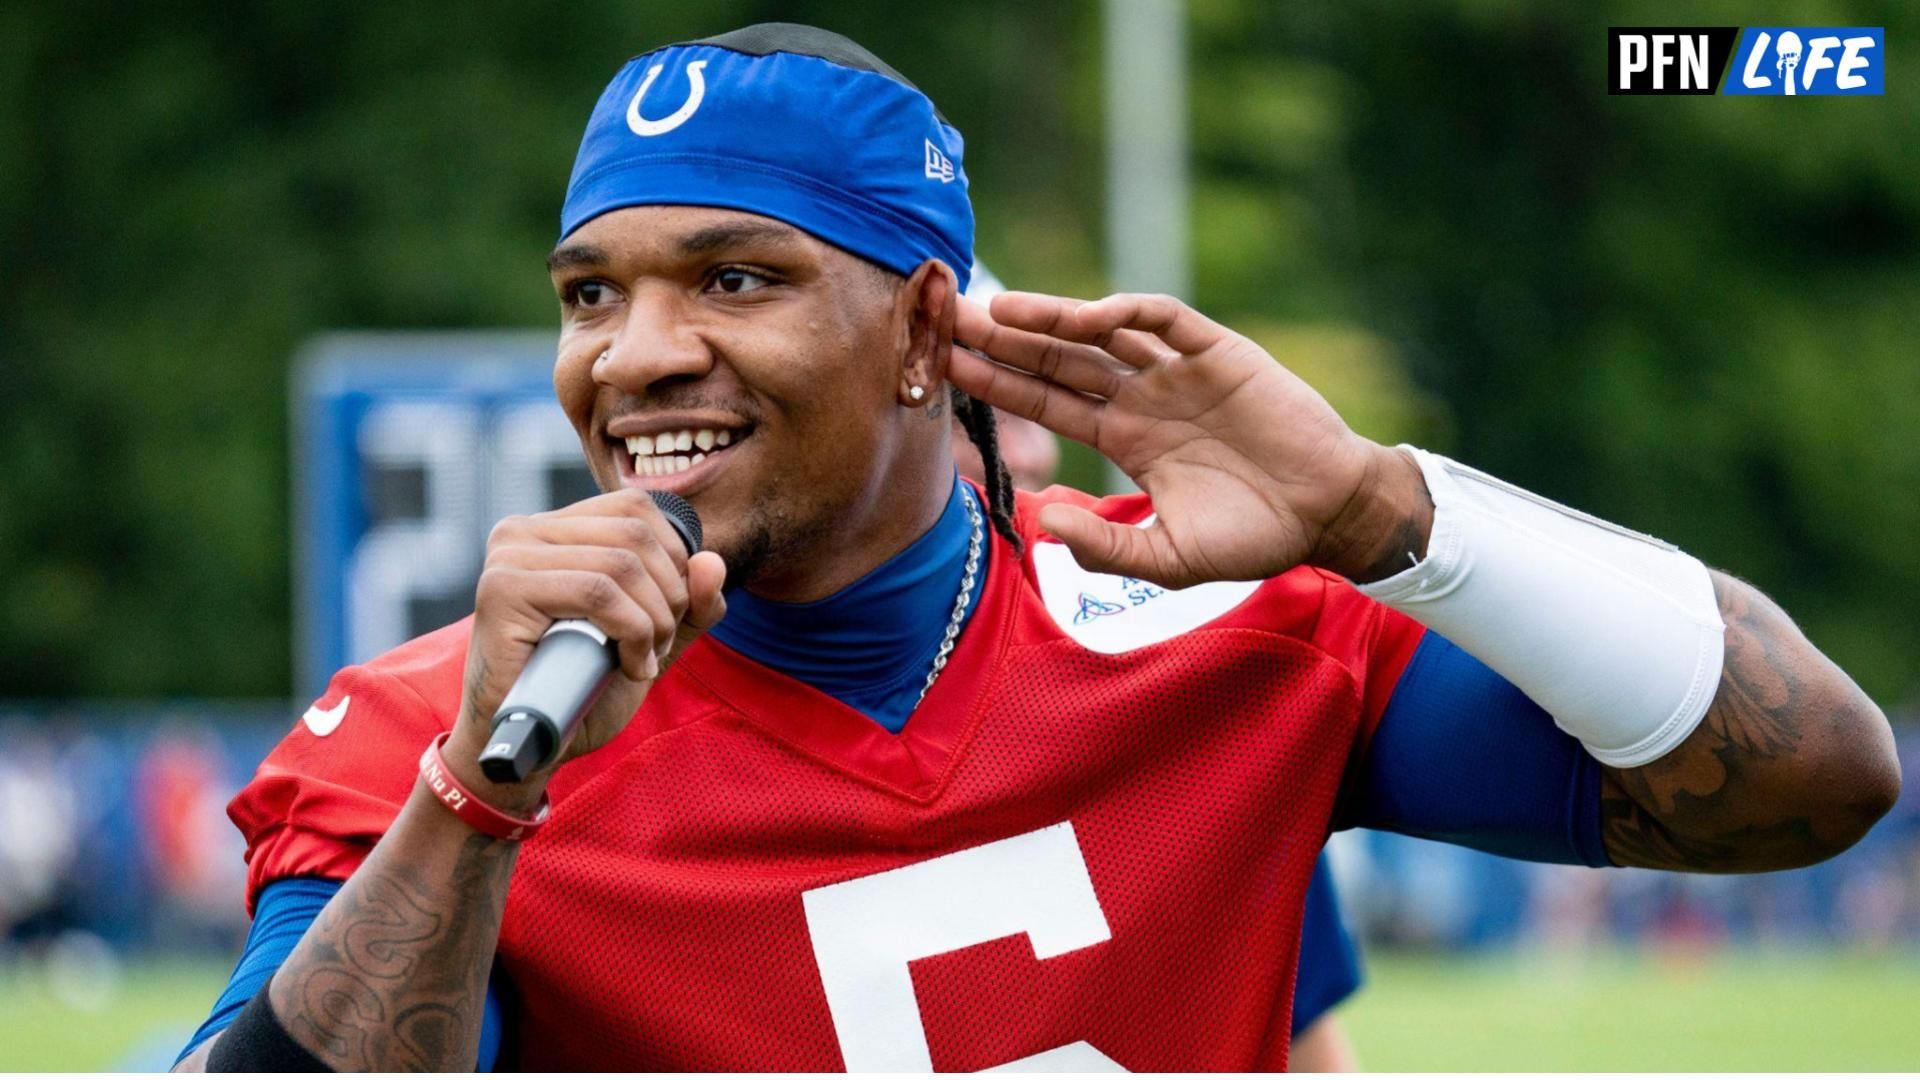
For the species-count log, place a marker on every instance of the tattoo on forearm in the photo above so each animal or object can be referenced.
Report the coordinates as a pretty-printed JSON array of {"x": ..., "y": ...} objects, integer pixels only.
[
  {"x": 1706, "y": 806},
  {"x": 393, "y": 973},
  {"x": 1636, "y": 838},
  {"x": 1371, "y": 541},
  {"x": 478, "y": 672}
]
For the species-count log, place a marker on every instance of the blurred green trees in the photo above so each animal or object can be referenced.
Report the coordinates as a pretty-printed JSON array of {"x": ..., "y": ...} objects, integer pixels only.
[{"x": 1698, "y": 316}]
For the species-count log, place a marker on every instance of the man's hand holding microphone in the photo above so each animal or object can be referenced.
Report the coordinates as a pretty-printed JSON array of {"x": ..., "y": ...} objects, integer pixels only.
[
  {"x": 626, "y": 565},
  {"x": 435, "y": 885}
]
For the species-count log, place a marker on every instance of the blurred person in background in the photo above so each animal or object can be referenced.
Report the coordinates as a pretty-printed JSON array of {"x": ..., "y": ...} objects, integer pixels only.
[
  {"x": 40, "y": 837},
  {"x": 188, "y": 845},
  {"x": 745, "y": 883}
]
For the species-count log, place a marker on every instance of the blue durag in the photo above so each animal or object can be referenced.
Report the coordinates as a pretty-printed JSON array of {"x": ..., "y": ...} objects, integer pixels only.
[{"x": 789, "y": 122}]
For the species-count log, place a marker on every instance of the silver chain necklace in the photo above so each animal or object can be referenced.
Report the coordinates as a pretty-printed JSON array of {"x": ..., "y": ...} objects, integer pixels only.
[{"x": 967, "y": 579}]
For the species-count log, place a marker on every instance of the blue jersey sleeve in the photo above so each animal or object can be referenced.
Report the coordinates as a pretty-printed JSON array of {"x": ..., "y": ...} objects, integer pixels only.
[
  {"x": 1329, "y": 960},
  {"x": 285, "y": 909},
  {"x": 1461, "y": 755}
]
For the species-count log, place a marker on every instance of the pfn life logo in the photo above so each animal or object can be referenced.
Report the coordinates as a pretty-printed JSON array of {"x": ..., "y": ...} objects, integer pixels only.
[
  {"x": 1796, "y": 60},
  {"x": 1789, "y": 61}
]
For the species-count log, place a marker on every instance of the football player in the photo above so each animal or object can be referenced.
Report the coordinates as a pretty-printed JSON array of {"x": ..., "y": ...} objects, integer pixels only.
[{"x": 956, "y": 777}]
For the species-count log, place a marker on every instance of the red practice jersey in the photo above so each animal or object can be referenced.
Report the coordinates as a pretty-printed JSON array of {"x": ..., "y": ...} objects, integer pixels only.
[{"x": 1090, "y": 844}]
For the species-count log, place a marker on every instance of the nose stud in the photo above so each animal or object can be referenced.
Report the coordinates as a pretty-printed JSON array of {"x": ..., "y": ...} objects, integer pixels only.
[{"x": 916, "y": 393}]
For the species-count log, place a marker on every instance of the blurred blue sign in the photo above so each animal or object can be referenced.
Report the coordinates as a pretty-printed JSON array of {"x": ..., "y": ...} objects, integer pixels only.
[{"x": 407, "y": 447}]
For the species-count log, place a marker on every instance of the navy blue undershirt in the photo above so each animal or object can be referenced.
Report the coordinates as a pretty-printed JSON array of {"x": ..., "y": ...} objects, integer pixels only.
[
  {"x": 871, "y": 644},
  {"x": 1462, "y": 756}
]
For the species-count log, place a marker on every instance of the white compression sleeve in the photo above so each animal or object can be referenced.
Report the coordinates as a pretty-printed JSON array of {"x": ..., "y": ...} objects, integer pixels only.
[{"x": 1615, "y": 634}]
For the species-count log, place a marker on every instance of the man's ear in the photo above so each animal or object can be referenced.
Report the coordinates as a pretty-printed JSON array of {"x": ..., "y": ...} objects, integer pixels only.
[{"x": 931, "y": 297}]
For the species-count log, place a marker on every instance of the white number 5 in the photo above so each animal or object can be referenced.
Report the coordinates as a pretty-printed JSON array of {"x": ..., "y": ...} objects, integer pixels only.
[{"x": 867, "y": 930}]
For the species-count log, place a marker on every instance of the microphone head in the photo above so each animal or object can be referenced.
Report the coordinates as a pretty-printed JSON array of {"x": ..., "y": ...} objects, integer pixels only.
[{"x": 680, "y": 514}]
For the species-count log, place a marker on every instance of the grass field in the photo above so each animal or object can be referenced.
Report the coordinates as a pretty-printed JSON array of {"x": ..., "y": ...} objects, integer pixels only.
[
  {"x": 1760, "y": 1013},
  {"x": 1511, "y": 1012}
]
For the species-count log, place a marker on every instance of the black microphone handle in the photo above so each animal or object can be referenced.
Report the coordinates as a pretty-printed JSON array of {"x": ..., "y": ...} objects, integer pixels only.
[{"x": 566, "y": 674}]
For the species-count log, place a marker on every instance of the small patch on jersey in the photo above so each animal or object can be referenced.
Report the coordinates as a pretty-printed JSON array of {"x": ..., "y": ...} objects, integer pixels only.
[
  {"x": 322, "y": 721},
  {"x": 1107, "y": 613}
]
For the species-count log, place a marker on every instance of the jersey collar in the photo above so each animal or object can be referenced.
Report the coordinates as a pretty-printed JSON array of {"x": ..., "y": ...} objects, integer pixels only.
[
  {"x": 871, "y": 644},
  {"x": 914, "y": 763}
]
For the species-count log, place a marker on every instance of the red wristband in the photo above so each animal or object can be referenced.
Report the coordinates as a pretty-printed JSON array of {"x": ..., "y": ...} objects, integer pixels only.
[{"x": 468, "y": 807}]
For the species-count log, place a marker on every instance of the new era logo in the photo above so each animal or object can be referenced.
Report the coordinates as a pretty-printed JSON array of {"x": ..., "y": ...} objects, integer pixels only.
[{"x": 939, "y": 165}]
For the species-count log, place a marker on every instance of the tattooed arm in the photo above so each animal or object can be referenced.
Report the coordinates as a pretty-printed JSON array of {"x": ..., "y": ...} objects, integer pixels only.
[
  {"x": 1252, "y": 473},
  {"x": 392, "y": 976},
  {"x": 1792, "y": 764}
]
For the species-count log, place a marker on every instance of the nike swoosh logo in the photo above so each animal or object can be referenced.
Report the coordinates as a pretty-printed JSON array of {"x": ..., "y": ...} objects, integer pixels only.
[{"x": 322, "y": 721}]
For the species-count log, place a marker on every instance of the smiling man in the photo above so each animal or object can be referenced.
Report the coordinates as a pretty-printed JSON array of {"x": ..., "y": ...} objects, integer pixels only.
[
  {"x": 637, "y": 376},
  {"x": 958, "y": 778}
]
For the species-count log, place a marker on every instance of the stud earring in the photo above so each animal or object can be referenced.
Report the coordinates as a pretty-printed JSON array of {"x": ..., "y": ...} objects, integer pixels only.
[{"x": 916, "y": 393}]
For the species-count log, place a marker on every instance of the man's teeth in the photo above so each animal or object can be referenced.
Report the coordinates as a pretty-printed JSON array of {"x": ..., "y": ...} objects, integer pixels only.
[
  {"x": 665, "y": 454},
  {"x": 664, "y": 464}
]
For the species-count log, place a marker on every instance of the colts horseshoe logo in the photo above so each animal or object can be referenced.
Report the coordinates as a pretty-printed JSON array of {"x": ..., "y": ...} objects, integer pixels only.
[{"x": 643, "y": 126}]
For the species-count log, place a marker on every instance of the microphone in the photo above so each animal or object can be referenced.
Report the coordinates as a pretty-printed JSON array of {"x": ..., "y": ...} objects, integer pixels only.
[{"x": 565, "y": 675}]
